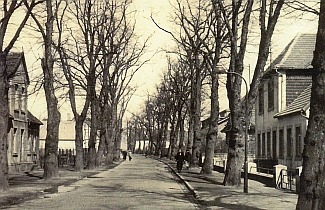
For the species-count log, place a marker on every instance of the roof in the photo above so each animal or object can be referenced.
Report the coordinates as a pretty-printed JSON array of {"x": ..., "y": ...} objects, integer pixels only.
[
  {"x": 295, "y": 85},
  {"x": 301, "y": 103},
  {"x": 298, "y": 54},
  {"x": 32, "y": 119},
  {"x": 13, "y": 61},
  {"x": 295, "y": 61}
]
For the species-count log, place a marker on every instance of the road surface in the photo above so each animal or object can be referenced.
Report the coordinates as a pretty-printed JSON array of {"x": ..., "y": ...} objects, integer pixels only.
[{"x": 142, "y": 183}]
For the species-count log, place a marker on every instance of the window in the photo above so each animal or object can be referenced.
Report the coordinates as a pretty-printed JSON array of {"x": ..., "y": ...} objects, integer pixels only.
[
  {"x": 261, "y": 100},
  {"x": 270, "y": 94},
  {"x": 274, "y": 144},
  {"x": 289, "y": 143},
  {"x": 15, "y": 141},
  {"x": 258, "y": 145},
  {"x": 16, "y": 101},
  {"x": 263, "y": 146},
  {"x": 298, "y": 142},
  {"x": 268, "y": 140},
  {"x": 281, "y": 144}
]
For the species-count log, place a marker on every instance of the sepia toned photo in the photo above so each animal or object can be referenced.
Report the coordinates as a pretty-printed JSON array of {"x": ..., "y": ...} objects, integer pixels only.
[{"x": 162, "y": 104}]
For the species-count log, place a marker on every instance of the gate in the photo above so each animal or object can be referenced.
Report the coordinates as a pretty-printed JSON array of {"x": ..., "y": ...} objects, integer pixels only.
[{"x": 287, "y": 180}]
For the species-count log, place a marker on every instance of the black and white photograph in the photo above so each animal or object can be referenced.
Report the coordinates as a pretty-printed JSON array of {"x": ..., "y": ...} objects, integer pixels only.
[{"x": 162, "y": 104}]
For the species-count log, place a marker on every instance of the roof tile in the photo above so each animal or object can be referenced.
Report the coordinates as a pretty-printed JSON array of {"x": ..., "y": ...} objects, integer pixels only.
[{"x": 301, "y": 103}]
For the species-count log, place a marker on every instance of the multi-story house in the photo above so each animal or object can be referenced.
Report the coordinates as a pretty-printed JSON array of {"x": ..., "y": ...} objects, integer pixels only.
[
  {"x": 67, "y": 134},
  {"x": 282, "y": 104},
  {"x": 23, "y": 132}
]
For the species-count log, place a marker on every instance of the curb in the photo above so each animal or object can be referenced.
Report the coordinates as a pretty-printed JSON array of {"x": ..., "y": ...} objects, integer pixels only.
[{"x": 189, "y": 187}]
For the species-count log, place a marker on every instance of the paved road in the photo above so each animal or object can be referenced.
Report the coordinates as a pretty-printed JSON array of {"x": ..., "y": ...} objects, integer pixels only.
[{"x": 142, "y": 183}]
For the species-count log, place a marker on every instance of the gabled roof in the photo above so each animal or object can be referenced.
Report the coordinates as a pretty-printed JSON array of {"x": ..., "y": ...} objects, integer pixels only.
[
  {"x": 298, "y": 54},
  {"x": 301, "y": 103},
  {"x": 13, "y": 61},
  {"x": 32, "y": 119}
]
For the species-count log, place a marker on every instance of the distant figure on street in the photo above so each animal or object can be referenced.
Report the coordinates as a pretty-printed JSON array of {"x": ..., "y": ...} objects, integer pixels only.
[
  {"x": 124, "y": 153},
  {"x": 187, "y": 159},
  {"x": 129, "y": 154},
  {"x": 179, "y": 160}
]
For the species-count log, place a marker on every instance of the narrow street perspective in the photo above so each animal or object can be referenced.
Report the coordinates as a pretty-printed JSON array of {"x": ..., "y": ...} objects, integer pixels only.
[{"x": 142, "y": 183}]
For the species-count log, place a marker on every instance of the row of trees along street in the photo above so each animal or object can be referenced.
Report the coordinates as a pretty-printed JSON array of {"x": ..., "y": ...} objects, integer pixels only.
[
  {"x": 91, "y": 53},
  {"x": 213, "y": 32}
]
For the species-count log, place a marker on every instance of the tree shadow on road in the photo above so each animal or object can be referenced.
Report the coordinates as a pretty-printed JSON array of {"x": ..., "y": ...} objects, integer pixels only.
[{"x": 218, "y": 203}]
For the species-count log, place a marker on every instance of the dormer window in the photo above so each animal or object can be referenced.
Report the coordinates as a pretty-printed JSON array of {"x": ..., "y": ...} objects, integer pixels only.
[{"x": 270, "y": 94}]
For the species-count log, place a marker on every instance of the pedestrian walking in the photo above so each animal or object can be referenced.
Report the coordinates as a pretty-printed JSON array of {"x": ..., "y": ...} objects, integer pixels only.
[
  {"x": 124, "y": 153},
  {"x": 187, "y": 158},
  {"x": 129, "y": 155},
  {"x": 179, "y": 160}
]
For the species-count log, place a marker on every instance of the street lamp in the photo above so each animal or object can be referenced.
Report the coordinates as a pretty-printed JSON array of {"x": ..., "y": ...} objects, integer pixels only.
[{"x": 246, "y": 124}]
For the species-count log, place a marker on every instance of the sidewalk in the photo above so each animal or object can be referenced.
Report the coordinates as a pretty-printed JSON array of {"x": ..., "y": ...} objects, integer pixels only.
[
  {"x": 29, "y": 185},
  {"x": 211, "y": 194}
]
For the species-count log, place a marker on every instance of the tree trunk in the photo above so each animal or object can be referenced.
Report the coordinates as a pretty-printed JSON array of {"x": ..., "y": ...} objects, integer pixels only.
[
  {"x": 101, "y": 148},
  {"x": 4, "y": 117},
  {"x": 312, "y": 190},
  {"x": 172, "y": 141},
  {"x": 236, "y": 136},
  {"x": 79, "y": 162},
  {"x": 53, "y": 121},
  {"x": 53, "y": 114},
  {"x": 196, "y": 113},
  {"x": 182, "y": 134},
  {"x": 118, "y": 140},
  {"x": 212, "y": 134},
  {"x": 91, "y": 162},
  {"x": 111, "y": 128}
]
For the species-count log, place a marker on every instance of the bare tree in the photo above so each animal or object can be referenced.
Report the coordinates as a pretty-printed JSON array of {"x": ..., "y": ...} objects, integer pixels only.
[
  {"x": 47, "y": 62},
  {"x": 214, "y": 48},
  {"x": 178, "y": 85},
  {"x": 121, "y": 60},
  {"x": 311, "y": 194},
  {"x": 9, "y": 9},
  {"x": 79, "y": 52},
  {"x": 239, "y": 113}
]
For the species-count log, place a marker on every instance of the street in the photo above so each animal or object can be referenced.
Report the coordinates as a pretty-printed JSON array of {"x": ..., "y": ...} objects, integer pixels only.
[{"x": 142, "y": 183}]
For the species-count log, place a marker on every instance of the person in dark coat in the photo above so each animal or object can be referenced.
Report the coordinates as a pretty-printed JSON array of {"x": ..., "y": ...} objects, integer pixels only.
[
  {"x": 187, "y": 158},
  {"x": 179, "y": 160},
  {"x": 124, "y": 153}
]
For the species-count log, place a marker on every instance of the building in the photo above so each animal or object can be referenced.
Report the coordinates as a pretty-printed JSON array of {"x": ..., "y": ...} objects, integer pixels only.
[
  {"x": 282, "y": 105},
  {"x": 23, "y": 131},
  {"x": 67, "y": 134}
]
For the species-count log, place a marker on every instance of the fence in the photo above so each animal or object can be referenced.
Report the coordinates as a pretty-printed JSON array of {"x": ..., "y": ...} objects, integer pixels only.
[
  {"x": 287, "y": 179},
  {"x": 279, "y": 177},
  {"x": 66, "y": 157}
]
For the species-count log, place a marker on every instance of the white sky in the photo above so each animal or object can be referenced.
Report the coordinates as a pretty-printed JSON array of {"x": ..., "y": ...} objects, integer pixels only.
[{"x": 147, "y": 77}]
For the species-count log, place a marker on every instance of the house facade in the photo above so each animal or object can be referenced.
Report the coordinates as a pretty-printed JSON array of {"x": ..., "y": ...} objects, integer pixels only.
[
  {"x": 282, "y": 105},
  {"x": 23, "y": 131},
  {"x": 67, "y": 135}
]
